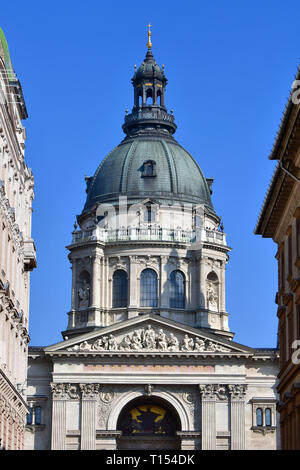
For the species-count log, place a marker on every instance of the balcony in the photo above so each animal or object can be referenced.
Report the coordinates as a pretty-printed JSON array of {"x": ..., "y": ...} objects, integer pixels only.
[{"x": 149, "y": 234}]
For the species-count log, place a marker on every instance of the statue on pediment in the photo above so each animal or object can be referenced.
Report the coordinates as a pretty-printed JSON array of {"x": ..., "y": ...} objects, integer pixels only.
[
  {"x": 125, "y": 344},
  {"x": 149, "y": 338},
  {"x": 187, "y": 343},
  {"x": 199, "y": 345},
  {"x": 173, "y": 343},
  {"x": 162, "y": 342},
  {"x": 136, "y": 341},
  {"x": 112, "y": 343}
]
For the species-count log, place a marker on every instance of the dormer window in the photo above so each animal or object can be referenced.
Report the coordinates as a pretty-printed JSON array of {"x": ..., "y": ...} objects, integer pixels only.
[{"x": 149, "y": 169}]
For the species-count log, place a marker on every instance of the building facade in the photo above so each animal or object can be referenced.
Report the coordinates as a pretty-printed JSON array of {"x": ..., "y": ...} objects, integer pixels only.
[
  {"x": 148, "y": 359},
  {"x": 280, "y": 220},
  {"x": 17, "y": 255}
]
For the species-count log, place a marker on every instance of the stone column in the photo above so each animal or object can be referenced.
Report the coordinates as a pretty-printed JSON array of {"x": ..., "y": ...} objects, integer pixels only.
[
  {"x": 208, "y": 404},
  {"x": 133, "y": 292},
  {"x": 59, "y": 399},
  {"x": 164, "y": 290},
  {"x": 237, "y": 406},
  {"x": 88, "y": 415},
  {"x": 74, "y": 281},
  {"x": 95, "y": 281}
]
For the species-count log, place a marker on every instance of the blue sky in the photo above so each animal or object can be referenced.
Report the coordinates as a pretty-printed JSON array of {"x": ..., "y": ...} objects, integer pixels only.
[{"x": 230, "y": 67}]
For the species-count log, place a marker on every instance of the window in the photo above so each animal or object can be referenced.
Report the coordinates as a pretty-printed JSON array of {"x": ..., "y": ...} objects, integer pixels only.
[
  {"x": 149, "y": 214},
  {"x": 263, "y": 414},
  {"x": 148, "y": 288},
  {"x": 268, "y": 417},
  {"x": 120, "y": 289},
  {"x": 259, "y": 417},
  {"x": 34, "y": 417},
  {"x": 177, "y": 289},
  {"x": 30, "y": 416},
  {"x": 148, "y": 169}
]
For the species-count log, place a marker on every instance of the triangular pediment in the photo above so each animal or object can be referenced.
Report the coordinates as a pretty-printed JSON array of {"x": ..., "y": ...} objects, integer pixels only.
[{"x": 153, "y": 334}]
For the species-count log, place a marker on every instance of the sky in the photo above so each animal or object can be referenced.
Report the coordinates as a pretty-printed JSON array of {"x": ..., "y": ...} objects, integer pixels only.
[{"x": 230, "y": 66}]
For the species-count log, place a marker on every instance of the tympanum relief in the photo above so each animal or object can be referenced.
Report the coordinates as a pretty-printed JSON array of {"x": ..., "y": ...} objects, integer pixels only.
[{"x": 149, "y": 339}]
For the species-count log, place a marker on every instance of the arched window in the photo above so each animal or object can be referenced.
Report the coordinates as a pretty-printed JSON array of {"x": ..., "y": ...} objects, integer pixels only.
[
  {"x": 120, "y": 289},
  {"x": 148, "y": 288},
  {"x": 159, "y": 97},
  {"x": 268, "y": 418},
  {"x": 149, "y": 99},
  {"x": 177, "y": 289},
  {"x": 259, "y": 416}
]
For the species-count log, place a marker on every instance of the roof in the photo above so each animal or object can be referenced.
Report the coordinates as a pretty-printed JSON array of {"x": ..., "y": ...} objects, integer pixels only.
[
  {"x": 177, "y": 175},
  {"x": 284, "y": 150}
]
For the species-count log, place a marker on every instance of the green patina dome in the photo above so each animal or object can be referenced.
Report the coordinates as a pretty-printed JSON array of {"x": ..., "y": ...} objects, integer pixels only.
[
  {"x": 178, "y": 177},
  {"x": 4, "y": 54}
]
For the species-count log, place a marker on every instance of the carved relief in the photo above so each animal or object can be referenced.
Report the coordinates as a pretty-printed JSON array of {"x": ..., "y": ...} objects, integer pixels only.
[
  {"x": 107, "y": 397},
  {"x": 150, "y": 340}
]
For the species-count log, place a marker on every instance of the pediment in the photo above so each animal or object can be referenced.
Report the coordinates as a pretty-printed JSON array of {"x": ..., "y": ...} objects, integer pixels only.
[{"x": 153, "y": 334}]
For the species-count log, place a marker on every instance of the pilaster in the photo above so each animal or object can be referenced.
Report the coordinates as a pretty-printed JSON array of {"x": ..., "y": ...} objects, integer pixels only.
[
  {"x": 59, "y": 399},
  {"x": 237, "y": 406},
  {"x": 208, "y": 404},
  {"x": 88, "y": 415}
]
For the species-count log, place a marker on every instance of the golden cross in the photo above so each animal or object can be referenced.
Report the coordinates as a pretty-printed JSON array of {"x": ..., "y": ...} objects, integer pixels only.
[{"x": 149, "y": 44}]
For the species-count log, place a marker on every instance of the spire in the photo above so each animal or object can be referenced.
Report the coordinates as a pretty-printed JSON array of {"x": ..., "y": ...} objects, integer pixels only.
[{"x": 149, "y": 43}]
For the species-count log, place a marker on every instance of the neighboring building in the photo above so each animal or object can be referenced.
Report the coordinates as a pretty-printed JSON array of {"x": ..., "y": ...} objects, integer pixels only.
[
  {"x": 280, "y": 220},
  {"x": 148, "y": 359},
  {"x": 17, "y": 255}
]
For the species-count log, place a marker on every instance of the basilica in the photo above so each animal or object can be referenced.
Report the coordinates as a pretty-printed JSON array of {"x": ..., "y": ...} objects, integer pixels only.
[{"x": 147, "y": 359}]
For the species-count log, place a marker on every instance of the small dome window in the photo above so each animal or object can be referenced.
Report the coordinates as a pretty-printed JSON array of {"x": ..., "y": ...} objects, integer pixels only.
[{"x": 149, "y": 169}]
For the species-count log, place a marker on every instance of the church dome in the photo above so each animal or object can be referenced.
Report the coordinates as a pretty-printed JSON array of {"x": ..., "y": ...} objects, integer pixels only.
[
  {"x": 149, "y": 162},
  {"x": 175, "y": 175}
]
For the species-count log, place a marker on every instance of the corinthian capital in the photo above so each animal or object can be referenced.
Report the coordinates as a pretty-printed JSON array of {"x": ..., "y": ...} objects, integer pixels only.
[
  {"x": 89, "y": 391},
  {"x": 237, "y": 391},
  {"x": 207, "y": 391}
]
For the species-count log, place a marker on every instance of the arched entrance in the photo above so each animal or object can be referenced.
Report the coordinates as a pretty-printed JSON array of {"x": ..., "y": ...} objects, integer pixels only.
[{"x": 148, "y": 423}]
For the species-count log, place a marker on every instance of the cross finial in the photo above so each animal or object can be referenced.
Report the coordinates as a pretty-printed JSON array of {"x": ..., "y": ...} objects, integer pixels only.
[{"x": 149, "y": 43}]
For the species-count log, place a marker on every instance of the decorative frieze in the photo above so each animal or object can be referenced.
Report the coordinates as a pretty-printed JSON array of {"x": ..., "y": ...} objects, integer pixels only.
[{"x": 150, "y": 340}]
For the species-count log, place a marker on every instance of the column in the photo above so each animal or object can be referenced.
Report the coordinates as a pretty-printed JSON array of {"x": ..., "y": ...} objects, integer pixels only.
[
  {"x": 59, "y": 400},
  {"x": 164, "y": 289},
  {"x": 133, "y": 291},
  {"x": 208, "y": 404},
  {"x": 96, "y": 281},
  {"x": 88, "y": 415},
  {"x": 237, "y": 406},
  {"x": 74, "y": 281}
]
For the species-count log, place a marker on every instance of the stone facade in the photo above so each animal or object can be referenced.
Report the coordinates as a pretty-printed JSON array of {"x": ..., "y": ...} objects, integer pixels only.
[
  {"x": 17, "y": 255},
  {"x": 280, "y": 220},
  {"x": 214, "y": 391}
]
